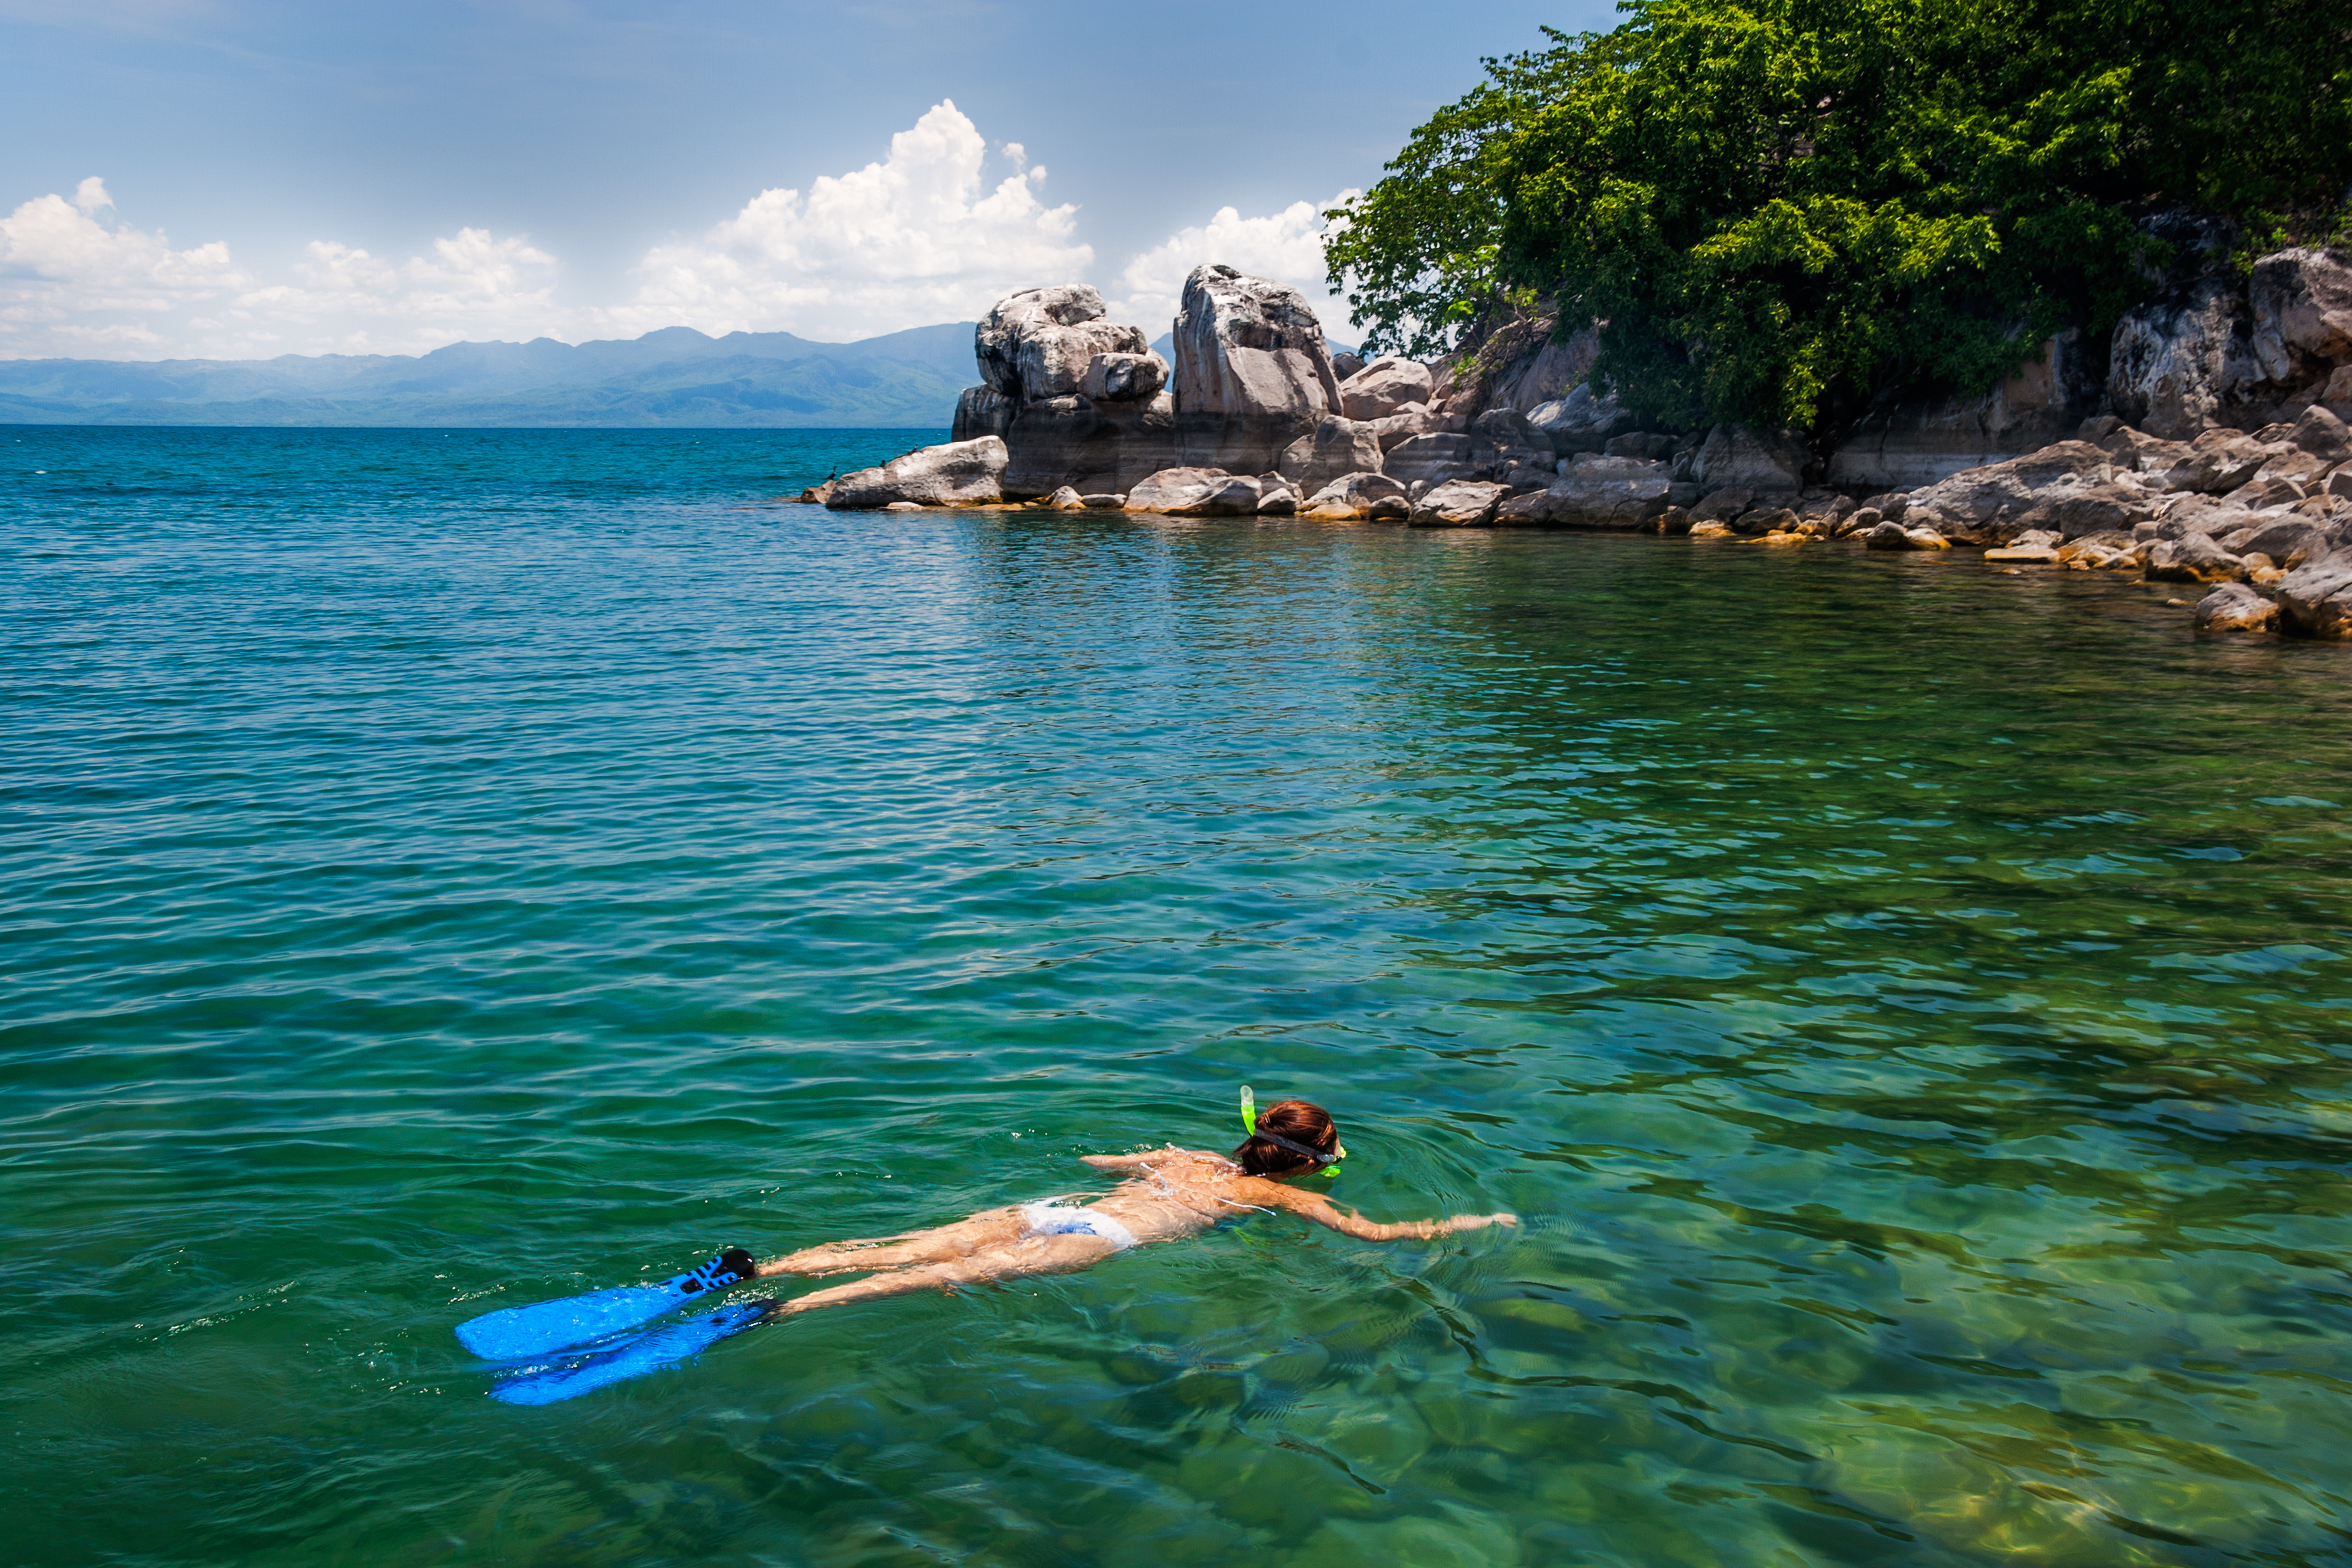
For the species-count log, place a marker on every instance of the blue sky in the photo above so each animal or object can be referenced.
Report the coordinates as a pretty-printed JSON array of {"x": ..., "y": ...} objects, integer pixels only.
[{"x": 230, "y": 178}]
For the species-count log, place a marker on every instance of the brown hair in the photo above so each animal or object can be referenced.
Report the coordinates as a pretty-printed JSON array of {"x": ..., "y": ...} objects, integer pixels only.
[{"x": 1297, "y": 1120}]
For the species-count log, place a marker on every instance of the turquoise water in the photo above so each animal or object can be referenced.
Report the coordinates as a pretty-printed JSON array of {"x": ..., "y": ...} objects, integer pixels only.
[{"x": 1906, "y": 1002}]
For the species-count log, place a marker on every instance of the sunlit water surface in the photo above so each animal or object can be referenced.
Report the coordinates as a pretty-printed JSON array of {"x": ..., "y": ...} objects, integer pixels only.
[{"x": 1907, "y": 1003}]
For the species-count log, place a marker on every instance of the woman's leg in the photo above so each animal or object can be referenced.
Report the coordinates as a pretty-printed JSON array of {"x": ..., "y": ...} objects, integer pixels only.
[
  {"x": 1061, "y": 1254},
  {"x": 989, "y": 1227}
]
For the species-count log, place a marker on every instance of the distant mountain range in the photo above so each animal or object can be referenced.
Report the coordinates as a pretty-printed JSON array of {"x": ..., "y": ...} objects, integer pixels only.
[{"x": 677, "y": 377}]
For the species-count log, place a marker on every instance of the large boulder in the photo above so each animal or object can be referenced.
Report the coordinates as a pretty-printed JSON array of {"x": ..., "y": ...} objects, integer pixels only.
[
  {"x": 1385, "y": 386},
  {"x": 1414, "y": 419},
  {"x": 1093, "y": 448},
  {"x": 1251, "y": 349},
  {"x": 2320, "y": 431},
  {"x": 1459, "y": 503},
  {"x": 2302, "y": 303},
  {"x": 1595, "y": 492},
  {"x": 1503, "y": 435},
  {"x": 1338, "y": 446},
  {"x": 2288, "y": 541},
  {"x": 2316, "y": 599},
  {"x": 1357, "y": 498},
  {"x": 1522, "y": 363},
  {"x": 1195, "y": 492},
  {"x": 2180, "y": 365},
  {"x": 1039, "y": 343},
  {"x": 2072, "y": 488},
  {"x": 1733, "y": 455},
  {"x": 960, "y": 473},
  {"x": 1582, "y": 421}
]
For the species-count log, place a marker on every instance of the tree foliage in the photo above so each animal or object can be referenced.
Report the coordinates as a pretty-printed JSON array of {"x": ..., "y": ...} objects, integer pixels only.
[{"x": 1785, "y": 210}]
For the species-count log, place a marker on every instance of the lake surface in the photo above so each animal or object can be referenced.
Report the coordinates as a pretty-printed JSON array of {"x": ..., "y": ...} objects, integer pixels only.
[{"x": 1907, "y": 1003}]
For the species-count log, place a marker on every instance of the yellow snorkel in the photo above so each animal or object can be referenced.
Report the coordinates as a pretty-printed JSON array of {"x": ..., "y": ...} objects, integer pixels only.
[{"x": 1249, "y": 1125}]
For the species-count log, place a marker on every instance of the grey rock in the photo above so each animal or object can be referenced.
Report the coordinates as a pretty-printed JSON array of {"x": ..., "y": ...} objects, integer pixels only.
[
  {"x": 1104, "y": 502},
  {"x": 1432, "y": 459},
  {"x": 1734, "y": 455},
  {"x": 1066, "y": 499},
  {"x": 1582, "y": 421},
  {"x": 1384, "y": 386},
  {"x": 1345, "y": 364},
  {"x": 2315, "y": 599},
  {"x": 2071, "y": 486},
  {"x": 1194, "y": 492},
  {"x": 1039, "y": 342},
  {"x": 2320, "y": 431},
  {"x": 2176, "y": 365},
  {"x": 1723, "y": 505},
  {"x": 1757, "y": 522},
  {"x": 982, "y": 411},
  {"x": 1503, "y": 435},
  {"x": 1622, "y": 493},
  {"x": 1124, "y": 377},
  {"x": 2302, "y": 301},
  {"x": 1251, "y": 348},
  {"x": 1337, "y": 446},
  {"x": 960, "y": 473},
  {"x": 2234, "y": 607},
  {"x": 1458, "y": 503},
  {"x": 1094, "y": 447},
  {"x": 1916, "y": 444},
  {"x": 2138, "y": 452},
  {"x": 1892, "y": 504},
  {"x": 1891, "y": 535},
  {"x": 1639, "y": 445}
]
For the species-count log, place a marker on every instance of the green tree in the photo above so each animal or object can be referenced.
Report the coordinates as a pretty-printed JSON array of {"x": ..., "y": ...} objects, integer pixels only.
[{"x": 1788, "y": 211}]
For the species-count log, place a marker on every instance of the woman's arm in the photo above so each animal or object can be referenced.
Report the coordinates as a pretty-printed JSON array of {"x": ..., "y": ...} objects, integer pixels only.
[
  {"x": 1307, "y": 1205},
  {"x": 1121, "y": 1162}
]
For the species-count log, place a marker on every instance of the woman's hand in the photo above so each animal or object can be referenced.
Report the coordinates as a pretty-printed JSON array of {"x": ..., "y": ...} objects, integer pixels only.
[{"x": 1477, "y": 1221}]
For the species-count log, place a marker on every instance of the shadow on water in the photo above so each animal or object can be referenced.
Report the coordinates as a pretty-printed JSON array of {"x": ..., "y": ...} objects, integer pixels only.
[{"x": 1902, "y": 1000}]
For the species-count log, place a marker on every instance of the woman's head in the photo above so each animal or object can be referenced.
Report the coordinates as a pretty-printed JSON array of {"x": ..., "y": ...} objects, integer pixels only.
[{"x": 1294, "y": 1121}]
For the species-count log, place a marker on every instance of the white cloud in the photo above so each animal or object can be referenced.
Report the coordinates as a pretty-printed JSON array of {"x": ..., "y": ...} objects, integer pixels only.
[
  {"x": 1286, "y": 245},
  {"x": 920, "y": 237},
  {"x": 70, "y": 284},
  {"x": 914, "y": 239}
]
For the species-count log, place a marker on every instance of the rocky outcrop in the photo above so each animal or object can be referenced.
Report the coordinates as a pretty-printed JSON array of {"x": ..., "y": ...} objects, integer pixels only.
[
  {"x": 1428, "y": 459},
  {"x": 1123, "y": 377},
  {"x": 2073, "y": 487},
  {"x": 1253, "y": 369},
  {"x": 1733, "y": 455},
  {"x": 983, "y": 411},
  {"x": 1090, "y": 446},
  {"x": 1040, "y": 342},
  {"x": 2177, "y": 366},
  {"x": 2301, "y": 303},
  {"x": 1906, "y": 448},
  {"x": 960, "y": 473}
]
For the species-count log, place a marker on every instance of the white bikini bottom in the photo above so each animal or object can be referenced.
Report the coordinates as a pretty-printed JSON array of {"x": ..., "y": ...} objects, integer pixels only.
[{"x": 1052, "y": 1218}]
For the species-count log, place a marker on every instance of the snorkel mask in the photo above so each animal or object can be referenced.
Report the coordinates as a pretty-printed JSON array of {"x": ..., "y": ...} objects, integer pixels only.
[{"x": 1249, "y": 1125}]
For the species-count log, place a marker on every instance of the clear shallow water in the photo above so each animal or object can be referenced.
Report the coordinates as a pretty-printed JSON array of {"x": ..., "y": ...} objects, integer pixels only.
[{"x": 436, "y": 872}]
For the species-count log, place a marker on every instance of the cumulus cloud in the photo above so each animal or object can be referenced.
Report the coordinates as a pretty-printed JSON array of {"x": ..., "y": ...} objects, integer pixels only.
[
  {"x": 915, "y": 238},
  {"x": 1286, "y": 245},
  {"x": 71, "y": 284}
]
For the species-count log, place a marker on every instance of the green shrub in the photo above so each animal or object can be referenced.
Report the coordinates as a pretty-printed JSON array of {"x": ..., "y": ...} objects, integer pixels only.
[{"x": 1788, "y": 212}]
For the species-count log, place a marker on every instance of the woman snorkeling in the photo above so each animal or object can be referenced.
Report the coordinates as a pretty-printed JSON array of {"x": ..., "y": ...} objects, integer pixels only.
[{"x": 1169, "y": 1194}]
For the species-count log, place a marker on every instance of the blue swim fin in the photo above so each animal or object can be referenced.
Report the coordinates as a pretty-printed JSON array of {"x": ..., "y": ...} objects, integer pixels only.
[
  {"x": 633, "y": 1357},
  {"x": 514, "y": 1333}
]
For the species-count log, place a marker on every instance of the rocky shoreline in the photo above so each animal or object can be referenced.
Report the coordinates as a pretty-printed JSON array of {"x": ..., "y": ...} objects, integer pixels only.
[{"x": 2209, "y": 448}]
